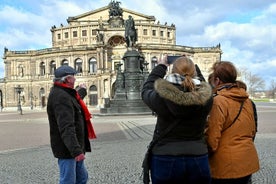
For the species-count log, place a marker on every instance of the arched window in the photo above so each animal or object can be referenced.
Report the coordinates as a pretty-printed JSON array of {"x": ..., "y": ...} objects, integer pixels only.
[
  {"x": 93, "y": 95},
  {"x": 42, "y": 68},
  {"x": 153, "y": 62},
  {"x": 52, "y": 67},
  {"x": 65, "y": 62},
  {"x": 78, "y": 65},
  {"x": 92, "y": 65},
  {"x": 116, "y": 41}
]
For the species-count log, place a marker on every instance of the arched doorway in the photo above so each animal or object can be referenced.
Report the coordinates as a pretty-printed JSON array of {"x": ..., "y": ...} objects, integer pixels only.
[
  {"x": 93, "y": 95},
  {"x": 42, "y": 97}
]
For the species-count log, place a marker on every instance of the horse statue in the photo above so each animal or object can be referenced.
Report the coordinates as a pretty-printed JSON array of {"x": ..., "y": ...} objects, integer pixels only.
[
  {"x": 130, "y": 32},
  {"x": 115, "y": 9}
]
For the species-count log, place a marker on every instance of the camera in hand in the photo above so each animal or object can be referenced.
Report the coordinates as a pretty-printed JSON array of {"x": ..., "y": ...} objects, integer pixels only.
[{"x": 171, "y": 59}]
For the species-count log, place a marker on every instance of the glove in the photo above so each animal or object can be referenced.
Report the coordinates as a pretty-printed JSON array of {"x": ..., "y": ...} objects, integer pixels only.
[
  {"x": 80, "y": 157},
  {"x": 82, "y": 92}
]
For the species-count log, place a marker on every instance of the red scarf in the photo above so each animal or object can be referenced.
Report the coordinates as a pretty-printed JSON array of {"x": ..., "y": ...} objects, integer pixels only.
[{"x": 87, "y": 114}]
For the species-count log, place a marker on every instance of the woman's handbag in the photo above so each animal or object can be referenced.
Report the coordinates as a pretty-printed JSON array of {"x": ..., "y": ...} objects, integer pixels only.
[{"x": 147, "y": 157}]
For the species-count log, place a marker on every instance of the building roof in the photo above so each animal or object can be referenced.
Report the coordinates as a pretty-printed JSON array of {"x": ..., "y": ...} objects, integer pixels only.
[{"x": 104, "y": 13}]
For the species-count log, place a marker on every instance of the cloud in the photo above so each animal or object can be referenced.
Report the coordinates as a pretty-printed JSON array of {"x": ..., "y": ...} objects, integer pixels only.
[
  {"x": 245, "y": 29},
  {"x": 19, "y": 17},
  {"x": 20, "y": 32},
  {"x": 60, "y": 10},
  {"x": 249, "y": 44}
]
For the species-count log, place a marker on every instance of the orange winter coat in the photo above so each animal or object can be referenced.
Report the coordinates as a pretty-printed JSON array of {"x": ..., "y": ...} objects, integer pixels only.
[{"x": 232, "y": 150}]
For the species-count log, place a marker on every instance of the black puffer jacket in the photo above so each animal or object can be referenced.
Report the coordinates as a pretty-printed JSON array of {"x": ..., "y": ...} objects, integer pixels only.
[
  {"x": 172, "y": 103},
  {"x": 68, "y": 132}
]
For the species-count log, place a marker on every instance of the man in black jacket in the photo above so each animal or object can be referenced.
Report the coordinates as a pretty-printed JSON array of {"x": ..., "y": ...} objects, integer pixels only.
[{"x": 69, "y": 133}]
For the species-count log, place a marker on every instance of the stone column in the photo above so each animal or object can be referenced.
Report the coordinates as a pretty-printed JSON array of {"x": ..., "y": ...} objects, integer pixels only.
[{"x": 133, "y": 74}]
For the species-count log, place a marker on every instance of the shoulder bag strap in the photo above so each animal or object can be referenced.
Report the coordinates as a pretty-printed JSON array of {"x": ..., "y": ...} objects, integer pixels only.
[
  {"x": 163, "y": 134},
  {"x": 235, "y": 117}
]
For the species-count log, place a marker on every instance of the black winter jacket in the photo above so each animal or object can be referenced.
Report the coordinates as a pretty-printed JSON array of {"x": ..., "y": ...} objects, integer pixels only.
[
  {"x": 172, "y": 103},
  {"x": 68, "y": 132}
]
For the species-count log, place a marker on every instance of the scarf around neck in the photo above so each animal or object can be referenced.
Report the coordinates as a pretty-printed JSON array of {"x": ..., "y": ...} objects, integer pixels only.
[
  {"x": 87, "y": 114},
  {"x": 176, "y": 78}
]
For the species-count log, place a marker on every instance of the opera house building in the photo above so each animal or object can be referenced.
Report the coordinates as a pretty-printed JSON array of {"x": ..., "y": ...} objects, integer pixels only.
[{"x": 94, "y": 44}]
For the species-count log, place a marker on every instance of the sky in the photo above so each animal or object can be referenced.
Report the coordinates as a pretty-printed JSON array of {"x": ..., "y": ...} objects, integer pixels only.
[{"x": 245, "y": 29}]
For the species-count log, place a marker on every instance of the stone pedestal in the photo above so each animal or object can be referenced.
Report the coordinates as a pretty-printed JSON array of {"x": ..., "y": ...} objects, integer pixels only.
[
  {"x": 116, "y": 22},
  {"x": 127, "y": 99}
]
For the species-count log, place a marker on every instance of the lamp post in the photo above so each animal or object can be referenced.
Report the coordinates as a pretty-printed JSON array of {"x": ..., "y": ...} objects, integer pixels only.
[
  {"x": 153, "y": 62},
  {"x": 1, "y": 101},
  {"x": 32, "y": 105},
  {"x": 19, "y": 89},
  {"x": 31, "y": 94},
  {"x": 35, "y": 98}
]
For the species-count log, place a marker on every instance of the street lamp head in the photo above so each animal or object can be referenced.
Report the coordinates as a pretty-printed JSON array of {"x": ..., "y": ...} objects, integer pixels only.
[
  {"x": 154, "y": 59},
  {"x": 18, "y": 89}
]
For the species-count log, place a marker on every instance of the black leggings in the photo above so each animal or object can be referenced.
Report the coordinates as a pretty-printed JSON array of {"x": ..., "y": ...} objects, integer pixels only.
[{"x": 243, "y": 180}]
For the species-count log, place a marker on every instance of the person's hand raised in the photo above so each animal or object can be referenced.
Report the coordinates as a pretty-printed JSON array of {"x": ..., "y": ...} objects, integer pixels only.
[{"x": 163, "y": 60}]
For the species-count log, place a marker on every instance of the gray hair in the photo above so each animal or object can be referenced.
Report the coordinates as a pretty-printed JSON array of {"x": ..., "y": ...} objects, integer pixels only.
[{"x": 60, "y": 79}]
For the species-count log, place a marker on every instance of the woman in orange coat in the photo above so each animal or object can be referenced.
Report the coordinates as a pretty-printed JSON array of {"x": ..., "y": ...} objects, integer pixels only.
[{"x": 231, "y": 129}]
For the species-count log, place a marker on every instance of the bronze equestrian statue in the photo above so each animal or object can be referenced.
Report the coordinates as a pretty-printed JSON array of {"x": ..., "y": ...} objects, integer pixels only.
[{"x": 130, "y": 32}]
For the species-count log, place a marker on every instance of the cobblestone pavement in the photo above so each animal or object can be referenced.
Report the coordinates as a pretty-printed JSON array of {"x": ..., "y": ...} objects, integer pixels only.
[{"x": 26, "y": 158}]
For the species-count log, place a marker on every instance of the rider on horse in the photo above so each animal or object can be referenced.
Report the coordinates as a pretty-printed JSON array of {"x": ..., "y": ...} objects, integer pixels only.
[{"x": 130, "y": 32}]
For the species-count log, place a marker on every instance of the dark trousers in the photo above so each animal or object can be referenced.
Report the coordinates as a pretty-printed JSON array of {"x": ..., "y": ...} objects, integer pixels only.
[
  {"x": 243, "y": 180},
  {"x": 180, "y": 169}
]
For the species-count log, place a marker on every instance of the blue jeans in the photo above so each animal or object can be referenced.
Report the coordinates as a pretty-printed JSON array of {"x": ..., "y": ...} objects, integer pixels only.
[
  {"x": 72, "y": 172},
  {"x": 180, "y": 169}
]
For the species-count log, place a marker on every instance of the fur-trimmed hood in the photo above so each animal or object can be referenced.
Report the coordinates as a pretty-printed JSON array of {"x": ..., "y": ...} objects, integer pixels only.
[
  {"x": 171, "y": 92},
  {"x": 172, "y": 105}
]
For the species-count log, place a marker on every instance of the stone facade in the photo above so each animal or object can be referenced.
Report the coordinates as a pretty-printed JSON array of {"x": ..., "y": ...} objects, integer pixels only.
[{"x": 93, "y": 43}]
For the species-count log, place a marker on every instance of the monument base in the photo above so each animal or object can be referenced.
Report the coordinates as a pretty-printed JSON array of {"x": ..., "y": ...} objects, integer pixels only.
[
  {"x": 125, "y": 107},
  {"x": 127, "y": 99}
]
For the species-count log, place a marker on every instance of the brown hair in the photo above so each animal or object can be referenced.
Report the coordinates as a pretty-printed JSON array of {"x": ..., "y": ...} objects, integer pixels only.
[
  {"x": 211, "y": 79},
  {"x": 225, "y": 71},
  {"x": 241, "y": 84},
  {"x": 185, "y": 67}
]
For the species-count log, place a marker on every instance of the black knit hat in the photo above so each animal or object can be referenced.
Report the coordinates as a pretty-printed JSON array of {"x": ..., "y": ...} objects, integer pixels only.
[{"x": 64, "y": 70}]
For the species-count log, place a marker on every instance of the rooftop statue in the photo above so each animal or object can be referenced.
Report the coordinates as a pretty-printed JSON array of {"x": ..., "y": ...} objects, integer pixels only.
[
  {"x": 130, "y": 32},
  {"x": 115, "y": 9}
]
